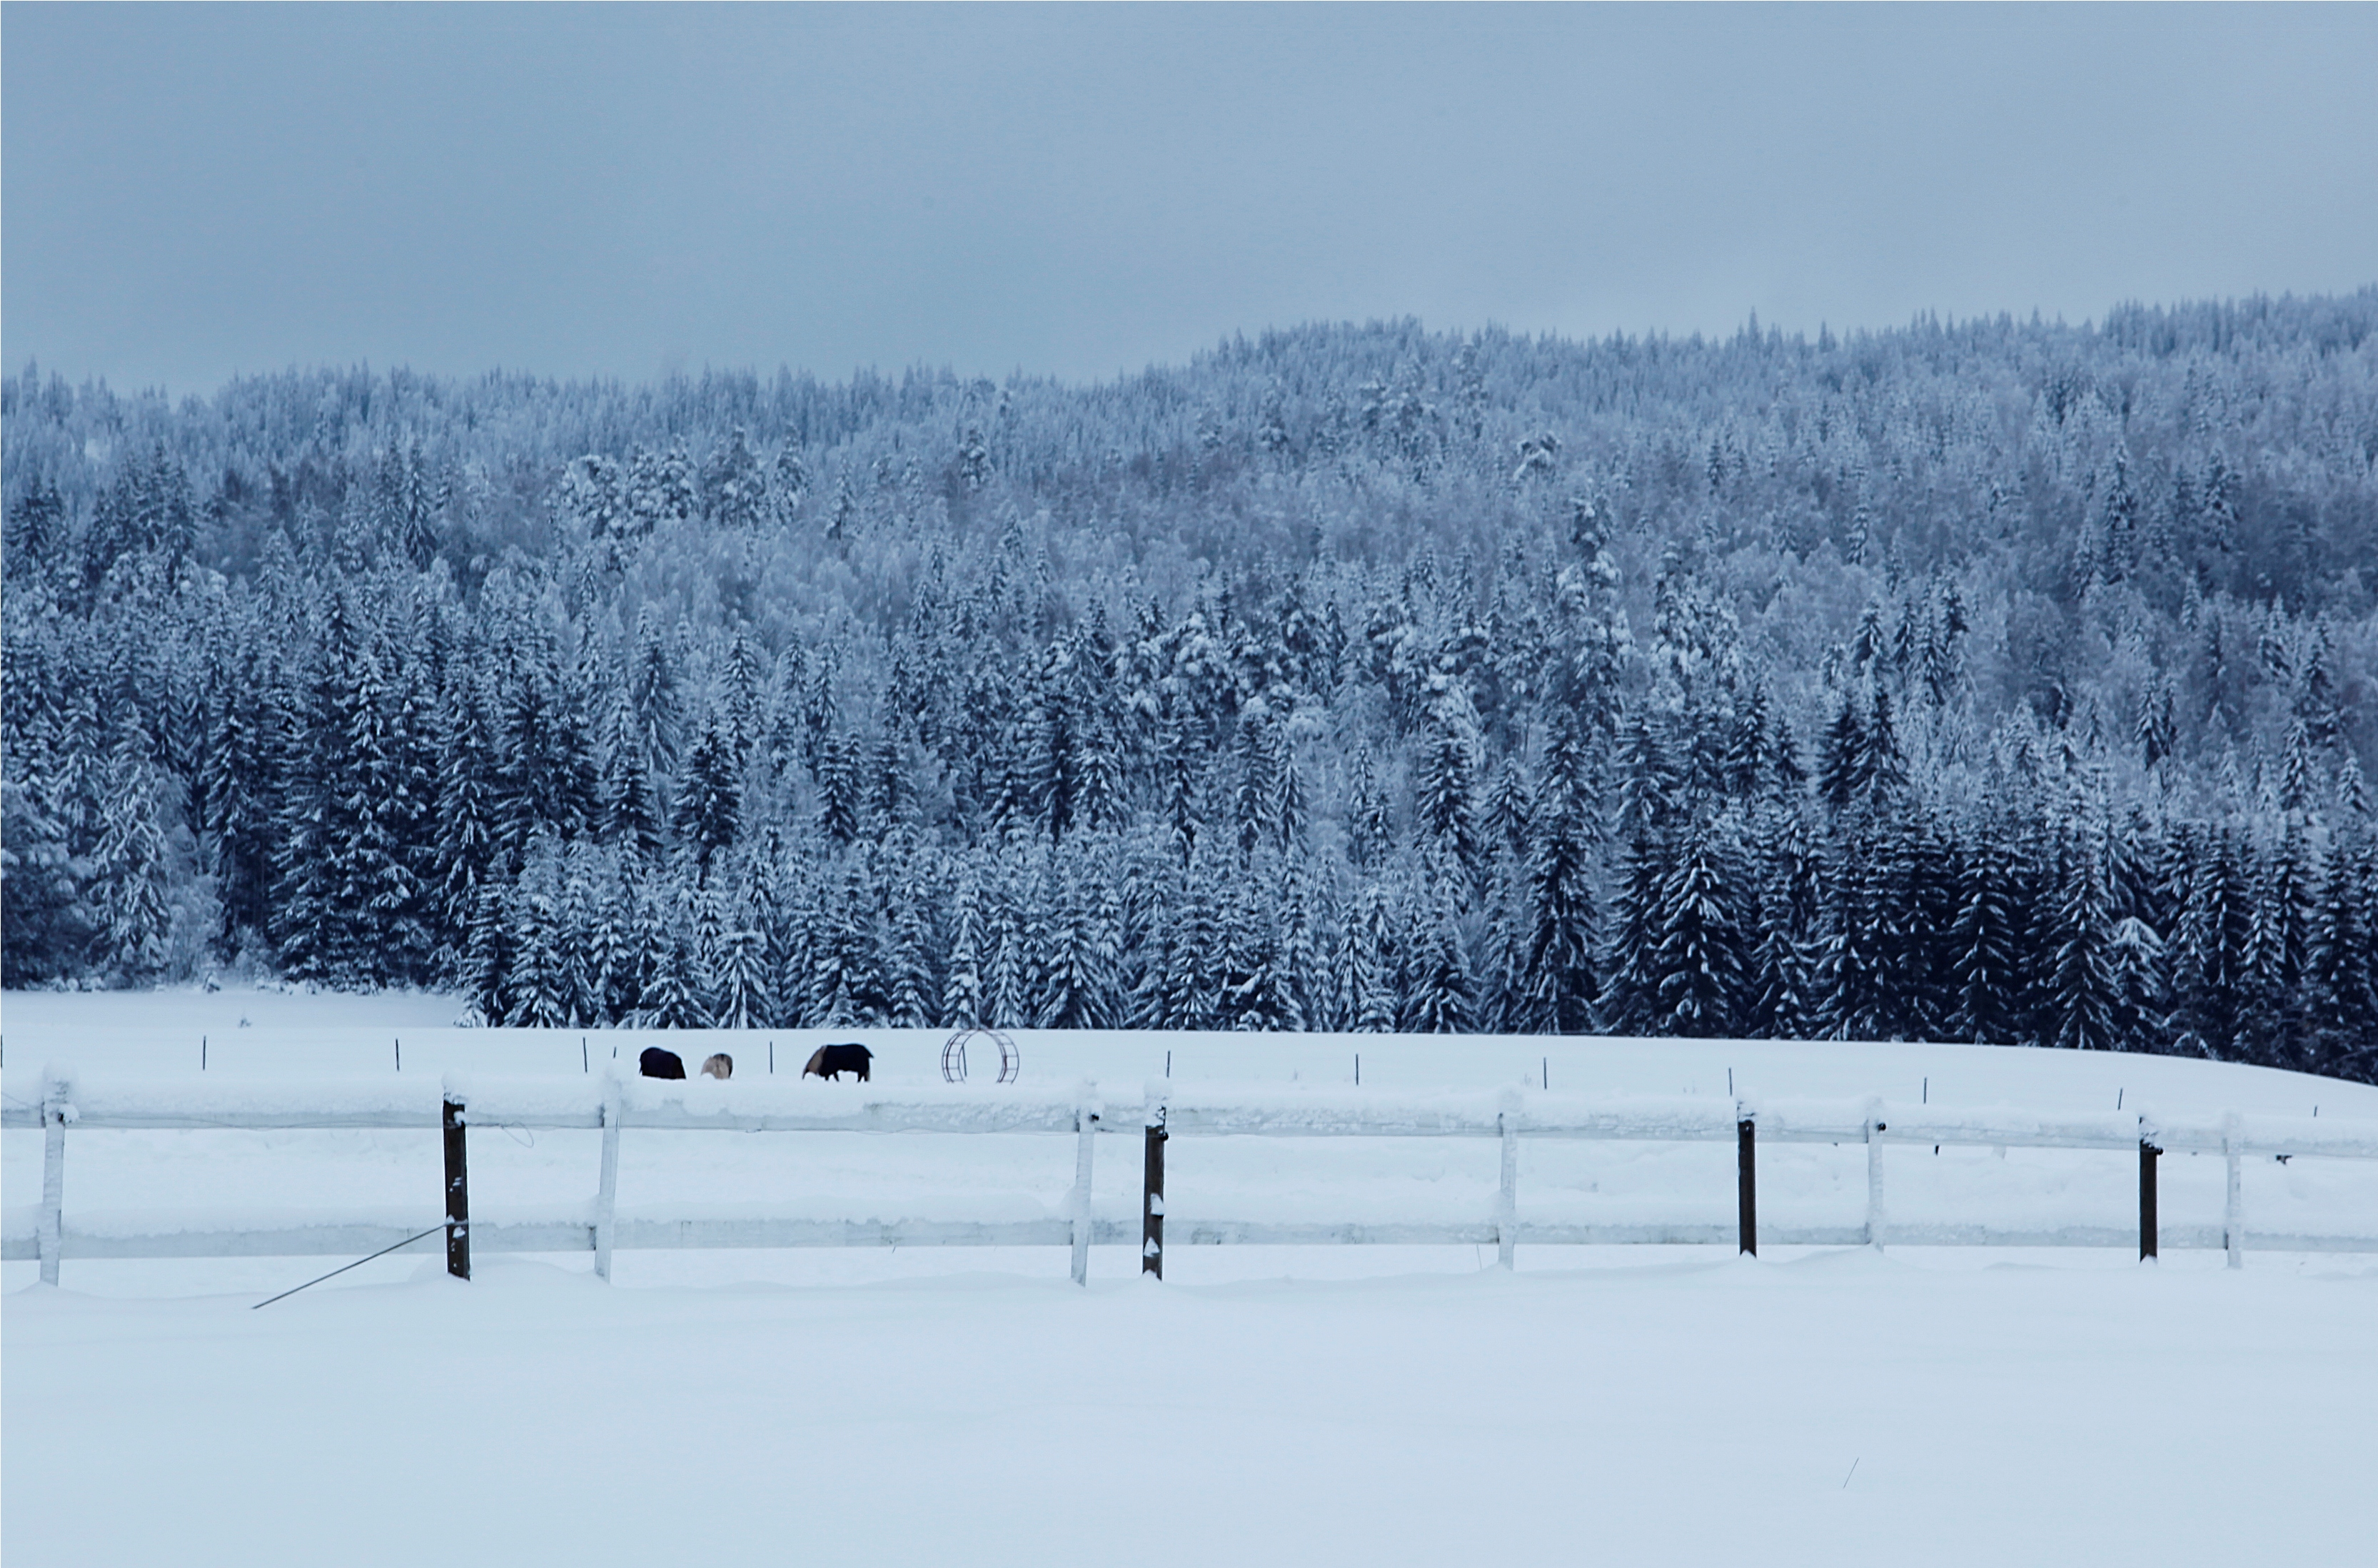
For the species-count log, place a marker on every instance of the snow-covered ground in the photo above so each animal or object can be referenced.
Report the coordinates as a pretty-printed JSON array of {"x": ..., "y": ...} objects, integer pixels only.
[{"x": 1388, "y": 1403}]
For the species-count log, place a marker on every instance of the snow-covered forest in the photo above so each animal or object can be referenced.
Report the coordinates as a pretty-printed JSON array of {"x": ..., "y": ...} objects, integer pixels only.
[{"x": 1993, "y": 681}]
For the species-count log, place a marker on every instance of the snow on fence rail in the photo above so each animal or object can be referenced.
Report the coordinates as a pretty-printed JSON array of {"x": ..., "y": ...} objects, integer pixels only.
[{"x": 1165, "y": 1110}]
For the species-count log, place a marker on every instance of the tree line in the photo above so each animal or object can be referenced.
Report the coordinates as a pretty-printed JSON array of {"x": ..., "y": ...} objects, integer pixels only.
[{"x": 1999, "y": 682}]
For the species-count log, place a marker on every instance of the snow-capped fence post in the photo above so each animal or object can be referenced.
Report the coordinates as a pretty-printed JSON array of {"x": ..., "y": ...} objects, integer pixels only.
[
  {"x": 458, "y": 1193},
  {"x": 1086, "y": 1131},
  {"x": 2233, "y": 1209},
  {"x": 1874, "y": 1130},
  {"x": 1745, "y": 1133},
  {"x": 1506, "y": 1201},
  {"x": 607, "y": 1185},
  {"x": 53, "y": 1175},
  {"x": 1151, "y": 1203},
  {"x": 2147, "y": 1153}
]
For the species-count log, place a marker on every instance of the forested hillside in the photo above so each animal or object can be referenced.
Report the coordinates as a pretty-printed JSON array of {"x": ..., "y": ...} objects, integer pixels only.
[{"x": 1997, "y": 681}]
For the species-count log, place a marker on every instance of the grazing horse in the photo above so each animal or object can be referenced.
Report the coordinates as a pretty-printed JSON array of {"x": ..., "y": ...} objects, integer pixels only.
[{"x": 832, "y": 1062}]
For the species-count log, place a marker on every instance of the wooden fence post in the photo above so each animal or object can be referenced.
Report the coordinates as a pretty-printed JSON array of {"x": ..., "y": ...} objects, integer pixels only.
[
  {"x": 1874, "y": 1213},
  {"x": 458, "y": 1196},
  {"x": 1746, "y": 1130},
  {"x": 1507, "y": 1202},
  {"x": 2147, "y": 1153},
  {"x": 607, "y": 1186},
  {"x": 2233, "y": 1212},
  {"x": 1086, "y": 1131},
  {"x": 1151, "y": 1211},
  {"x": 54, "y": 1178}
]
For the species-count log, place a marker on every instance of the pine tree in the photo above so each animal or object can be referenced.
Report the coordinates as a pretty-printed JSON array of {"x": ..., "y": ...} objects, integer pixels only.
[
  {"x": 1629, "y": 1003},
  {"x": 2085, "y": 986},
  {"x": 1510, "y": 806},
  {"x": 2207, "y": 960},
  {"x": 1289, "y": 981},
  {"x": 1007, "y": 998},
  {"x": 741, "y": 978},
  {"x": 130, "y": 876},
  {"x": 2341, "y": 982},
  {"x": 1288, "y": 809},
  {"x": 651, "y": 696},
  {"x": 488, "y": 955},
  {"x": 42, "y": 904},
  {"x": 234, "y": 806},
  {"x": 962, "y": 986},
  {"x": 1698, "y": 959},
  {"x": 464, "y": 846},
  {"x": 2140, "y": 995},
  {"x": 1439, "y": 992},
  {"x": 1921, "y": 885},
  {"x": 1368, "y": 831},
  {"x": 673, "y": 991},
  {"x": 536, "y": 987},
  {"x": 1053, "y": 764},
  {"x": 1255, "y": 802},
  {"x": 1985, "y": 942},
  {"x": 1377, "y": 960},
  {"x": 1840, "y": 773},
  {"x": 709, "y": 801},
  {"x": 2271, "y": 969},
  {"x": 1858, "y": 939},
  {"x": 1782, "y": 959},
  {"x": 1650, "y": 794},
  {"x": 1557, "y": 974},
  {"x": 838, "y": 789},
  {"x": 734, "y": 488},
  {"x": 1447, "y": 785},
  {"x": 1069, "y": 986},
  {"x": 632, "y": 813},
  {"x": 611, "y": 959}
]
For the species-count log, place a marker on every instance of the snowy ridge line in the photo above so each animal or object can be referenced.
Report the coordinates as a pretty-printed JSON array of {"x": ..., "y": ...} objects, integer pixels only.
[{"x": 1262, "y": 1109}]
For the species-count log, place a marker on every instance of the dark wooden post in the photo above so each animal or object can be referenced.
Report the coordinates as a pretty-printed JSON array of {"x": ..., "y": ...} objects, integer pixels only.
[
  {"x": 458, "y": 1197},
  {"x": 1151, "y": 1213},
  {"x": 1747, "y": 1143},
  {"x": 2147, "y": 1153}
]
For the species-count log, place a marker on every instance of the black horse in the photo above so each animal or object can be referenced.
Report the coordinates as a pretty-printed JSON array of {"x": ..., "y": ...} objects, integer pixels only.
[{"x": 832, "y": 1062}]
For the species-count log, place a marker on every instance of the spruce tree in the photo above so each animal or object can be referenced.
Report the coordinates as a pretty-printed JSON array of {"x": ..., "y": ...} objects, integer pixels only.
[
  {"x": 1629, "y": 1003},
  {"x": 129, "y": 875},
  {"x": 1699, "y": 958},
  {"x": 2083, "y": 984},
  {"x": 1377, "y": 960},
  {"x": 962, "y": 984},
  {"x": 1556, "y": 973},
  {"x": 741, "y": 978},
  {"x": 2341, "y": 982},
  {"x": 1445, "y": 790},
  {"x": 1985, "y": 943},
  {"x": 1439, "y": 992},
  {"x": 1781, "y": 981}
]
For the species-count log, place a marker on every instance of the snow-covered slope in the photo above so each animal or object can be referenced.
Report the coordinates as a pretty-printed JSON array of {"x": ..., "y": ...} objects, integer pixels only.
[
  {"x": 1263, "y": 1405},
  {"x": 333, "y": 1049}
]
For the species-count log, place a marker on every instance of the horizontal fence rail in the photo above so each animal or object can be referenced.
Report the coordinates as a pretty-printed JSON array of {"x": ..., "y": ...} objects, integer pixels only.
[{"x": 1165, "y": 1109}]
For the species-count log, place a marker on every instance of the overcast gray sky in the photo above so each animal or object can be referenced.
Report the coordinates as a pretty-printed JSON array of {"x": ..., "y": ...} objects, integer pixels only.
[{"x": 187, "y": 193}]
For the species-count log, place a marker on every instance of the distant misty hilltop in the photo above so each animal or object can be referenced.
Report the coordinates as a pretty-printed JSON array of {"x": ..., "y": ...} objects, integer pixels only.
[{"x": 1999, "y": 680}]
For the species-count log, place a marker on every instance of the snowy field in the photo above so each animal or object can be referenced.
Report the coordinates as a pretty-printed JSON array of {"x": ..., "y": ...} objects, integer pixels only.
[{"x": 1266, "y": 1404}]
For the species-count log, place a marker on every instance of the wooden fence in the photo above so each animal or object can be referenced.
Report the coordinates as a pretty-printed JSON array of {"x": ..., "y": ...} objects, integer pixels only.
[{"x": 1166, "y": 1110}]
